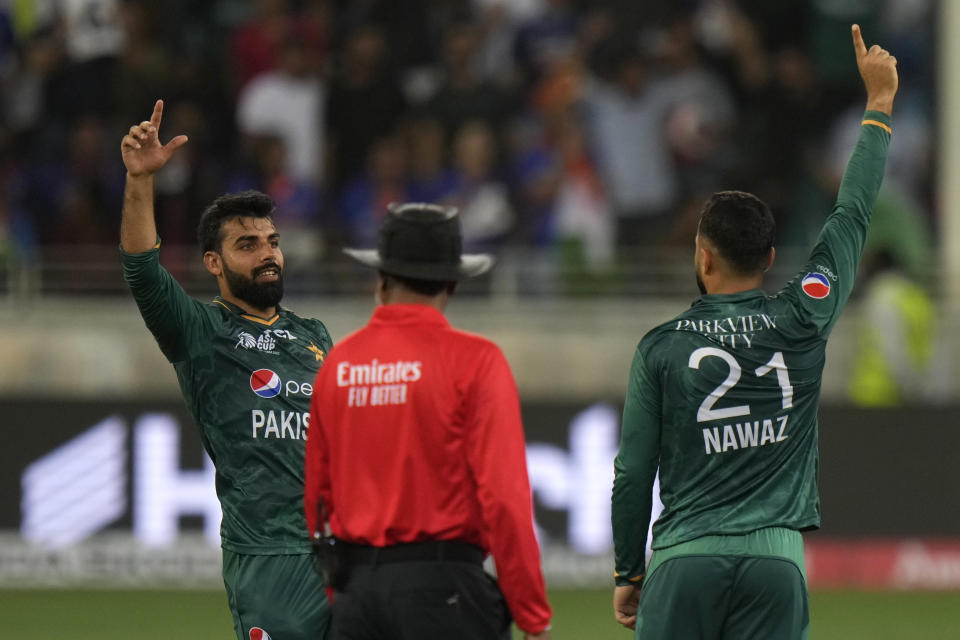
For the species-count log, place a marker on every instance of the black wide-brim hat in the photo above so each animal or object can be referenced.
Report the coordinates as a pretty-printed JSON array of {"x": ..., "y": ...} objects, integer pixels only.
[{"x": 422, "y": 241}]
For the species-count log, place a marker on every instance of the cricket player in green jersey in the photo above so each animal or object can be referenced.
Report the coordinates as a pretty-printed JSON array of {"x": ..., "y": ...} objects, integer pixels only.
[
  {"x": 723, "y": 398},
  {"x": 246, "y": 367}
]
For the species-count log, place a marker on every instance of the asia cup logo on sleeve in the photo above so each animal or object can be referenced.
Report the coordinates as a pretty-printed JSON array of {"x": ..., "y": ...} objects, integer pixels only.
[
  {"x": 256, "y": 633},
  {"x": 815, "y": 285},
  {"x": 265, "y": 383}
]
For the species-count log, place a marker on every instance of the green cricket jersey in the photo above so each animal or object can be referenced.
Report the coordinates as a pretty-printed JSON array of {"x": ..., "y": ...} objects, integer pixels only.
[
  {"x": 247, "y": 382},
  {"x": 723, "y": 398}
]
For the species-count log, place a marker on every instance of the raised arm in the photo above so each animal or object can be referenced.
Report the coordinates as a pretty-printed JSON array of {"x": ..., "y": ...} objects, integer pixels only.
[
  {"x": 143, "y": 155},
  {"x": 823, "y": 286}
]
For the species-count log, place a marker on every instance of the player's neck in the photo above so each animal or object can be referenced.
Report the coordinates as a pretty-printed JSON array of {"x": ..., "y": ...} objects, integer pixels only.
[{"x": 733, "y": 284}]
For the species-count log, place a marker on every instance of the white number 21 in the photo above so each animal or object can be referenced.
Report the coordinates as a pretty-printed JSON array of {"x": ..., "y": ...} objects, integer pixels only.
[{"x": 707, "y": 412}]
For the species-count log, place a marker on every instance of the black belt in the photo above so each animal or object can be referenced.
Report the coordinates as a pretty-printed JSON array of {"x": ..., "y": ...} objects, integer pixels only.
[{"x": 433, "y": 550}]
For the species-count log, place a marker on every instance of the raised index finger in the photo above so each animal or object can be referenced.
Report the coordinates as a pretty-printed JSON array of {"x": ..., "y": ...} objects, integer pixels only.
[
  {"x": 158, "y": 113},
  {"x": 858, "y": 44}
]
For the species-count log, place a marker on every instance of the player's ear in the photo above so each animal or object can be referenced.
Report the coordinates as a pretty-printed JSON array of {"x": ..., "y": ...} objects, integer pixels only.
[
  {"x": 770, "y": 259},
  {"x": 707, "y": 259},
  {"x": 213, "y": 263}
]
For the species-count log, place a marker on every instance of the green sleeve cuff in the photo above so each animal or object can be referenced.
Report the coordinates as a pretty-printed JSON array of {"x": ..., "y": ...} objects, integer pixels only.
[
  {"x": 623, "y": 581},
  {"x": 877, "y": 119},
  {"x": 155, "y": 247}
]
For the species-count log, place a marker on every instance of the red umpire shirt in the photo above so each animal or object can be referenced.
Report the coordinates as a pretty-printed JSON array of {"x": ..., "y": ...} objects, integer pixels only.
[{"x": 415, "y": 435}]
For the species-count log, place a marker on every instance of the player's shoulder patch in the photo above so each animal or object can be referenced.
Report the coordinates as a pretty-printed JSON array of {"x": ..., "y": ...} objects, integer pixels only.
[{"x": 816, "y": 285}]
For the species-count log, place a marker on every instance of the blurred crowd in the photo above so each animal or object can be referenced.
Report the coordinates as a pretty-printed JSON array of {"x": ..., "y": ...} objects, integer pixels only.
[{"x": 576, "y": 132}]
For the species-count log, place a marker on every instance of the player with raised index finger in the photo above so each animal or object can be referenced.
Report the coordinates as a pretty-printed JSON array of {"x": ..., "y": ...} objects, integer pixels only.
[
  {"x": 245, "y": 366},
  {"x": 723, "y": 398}
]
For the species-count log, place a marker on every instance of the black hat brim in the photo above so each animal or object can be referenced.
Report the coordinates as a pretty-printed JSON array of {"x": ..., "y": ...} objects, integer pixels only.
[{"x": 471, "y": 265}]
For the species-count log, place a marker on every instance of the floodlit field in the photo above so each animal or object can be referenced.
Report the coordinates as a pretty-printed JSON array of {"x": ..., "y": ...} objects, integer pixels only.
[{"x": 580, "y": 615}]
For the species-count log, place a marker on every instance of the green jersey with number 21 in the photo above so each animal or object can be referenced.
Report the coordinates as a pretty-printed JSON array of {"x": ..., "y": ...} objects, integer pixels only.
[{"x": 723, "y": 398}]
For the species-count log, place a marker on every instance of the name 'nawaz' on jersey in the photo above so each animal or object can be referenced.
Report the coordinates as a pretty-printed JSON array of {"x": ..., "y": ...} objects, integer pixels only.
[{"x": 744, "y": 435}]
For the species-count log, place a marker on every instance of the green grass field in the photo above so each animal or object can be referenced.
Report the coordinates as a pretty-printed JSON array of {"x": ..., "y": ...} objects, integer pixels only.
[{"x": 579, "y": 615}]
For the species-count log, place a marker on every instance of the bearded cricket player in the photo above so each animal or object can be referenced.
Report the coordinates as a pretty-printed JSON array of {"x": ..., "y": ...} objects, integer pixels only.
[{"x": 245, "y": 366}]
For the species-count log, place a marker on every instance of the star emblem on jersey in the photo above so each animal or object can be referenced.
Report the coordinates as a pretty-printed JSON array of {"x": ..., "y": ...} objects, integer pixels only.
[
  {"x": 815, "y": 285},
  {"x": 318, "y": 353}
]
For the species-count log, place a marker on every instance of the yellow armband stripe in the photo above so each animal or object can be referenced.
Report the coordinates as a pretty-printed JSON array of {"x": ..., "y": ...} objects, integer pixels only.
[
  {"x": 634, "y": 579},
  {"x": 877, "y": 123}
]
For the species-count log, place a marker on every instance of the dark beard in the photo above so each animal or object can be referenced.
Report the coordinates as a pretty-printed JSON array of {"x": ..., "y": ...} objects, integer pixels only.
[
  {"x": 259, "y": 296},
  {"x": 703, "y": 289}
]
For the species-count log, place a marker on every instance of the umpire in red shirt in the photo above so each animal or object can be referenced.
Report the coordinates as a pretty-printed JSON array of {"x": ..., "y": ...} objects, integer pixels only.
[{"x": 416, "y": 456}]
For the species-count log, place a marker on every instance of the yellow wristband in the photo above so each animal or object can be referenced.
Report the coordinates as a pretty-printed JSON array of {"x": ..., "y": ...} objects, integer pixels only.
[{"x": 877, "y": 123}]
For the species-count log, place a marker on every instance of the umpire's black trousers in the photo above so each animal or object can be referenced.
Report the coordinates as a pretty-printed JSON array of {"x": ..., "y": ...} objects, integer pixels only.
[{"x": 417, "y": 592}]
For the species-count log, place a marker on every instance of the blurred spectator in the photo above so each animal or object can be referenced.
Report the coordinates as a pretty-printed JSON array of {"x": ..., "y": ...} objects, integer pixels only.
[
  {"x": 626, "y": 113},
  {"x": 404, "y": 26},
  {"x": 464, "y": 95},
  {"x": 184, "y": 186},
  {"x": 702, "y": 112},
  {"x": 536, "y": 176},
  {"x": 584, "y": 216},
  {"x": 584, "y": 224},
  {"x": 92, "y": 37},
  {"x": 366, "y": 104},
  {"x": 546, "y": 37},
  {"x": 144, "y": 64},
  {"x": 486, "y": 215},
  {"x": 257, "y": 45},
  {"x": 430, "y": 179},
  {"x": 365, "y": 199},
  {"x": 288, "y": 102},
  {"x": 896, "y": 361},
  {"x": 27, "y": 85},
  {"x": 829, "y": 41},
  {"x": 698, "y": 125},
  {"x": 499, "y": 22},
  {"x": 84, "y": 192},
  {"x": 6, "y": 34}
]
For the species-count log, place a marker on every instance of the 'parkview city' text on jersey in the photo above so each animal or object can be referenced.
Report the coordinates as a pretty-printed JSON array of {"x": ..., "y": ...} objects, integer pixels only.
[
  {"x": 723, "y": 398},
  {"x": 417, "y": 436},
  {"x": 247, "y": 381}
]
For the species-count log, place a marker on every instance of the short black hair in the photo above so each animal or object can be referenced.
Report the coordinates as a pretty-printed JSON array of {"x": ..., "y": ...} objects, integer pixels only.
[
  {"x": 251, "y": 203},
  {"x": 740, "y": 226},
  {"x": 423, "y": 287}
]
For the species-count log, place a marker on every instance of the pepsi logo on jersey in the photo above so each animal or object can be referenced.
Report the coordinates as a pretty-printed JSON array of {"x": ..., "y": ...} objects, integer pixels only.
[
  {"x": 815, "y": 285},
  {"x": 267, "y": 384}
]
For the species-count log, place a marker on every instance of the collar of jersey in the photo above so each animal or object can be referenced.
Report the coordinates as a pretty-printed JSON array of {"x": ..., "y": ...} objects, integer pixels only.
[
  {"x": 709, "y": 298},
  {"x": 232, "y": 308},
  {"x": 408, "y": 314}
]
